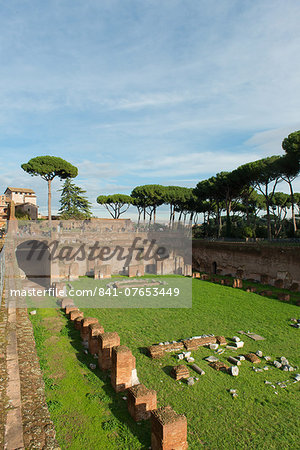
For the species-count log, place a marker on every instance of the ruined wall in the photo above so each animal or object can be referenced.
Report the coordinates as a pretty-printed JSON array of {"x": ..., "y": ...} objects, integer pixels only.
[{"x": 248, "y": 260}]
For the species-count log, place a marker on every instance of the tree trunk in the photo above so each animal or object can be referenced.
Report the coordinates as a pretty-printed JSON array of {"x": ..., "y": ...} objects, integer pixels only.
[
  {"x": 293, "y": 207},
  {"x": 268, "y": 219},
  {"x": 218, "y": 220},
  {"x": 247, "y": 210},
  {"x": 228, "y": 219},
  {"x": 49, "y": 200}
]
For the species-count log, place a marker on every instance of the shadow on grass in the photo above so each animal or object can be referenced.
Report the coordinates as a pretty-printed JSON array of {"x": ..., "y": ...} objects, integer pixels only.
[
  {"x": 118, "y": 406},
  {"x": 168, "y": 371},
  {"x": 144, "y": 351}
]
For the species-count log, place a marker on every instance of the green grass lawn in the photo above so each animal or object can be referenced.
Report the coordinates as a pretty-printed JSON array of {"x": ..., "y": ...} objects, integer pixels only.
[{"x": 88, "y": 414}]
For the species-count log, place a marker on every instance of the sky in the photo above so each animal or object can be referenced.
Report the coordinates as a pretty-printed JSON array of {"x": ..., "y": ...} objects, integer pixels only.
[{"x": 145, "y": 91}]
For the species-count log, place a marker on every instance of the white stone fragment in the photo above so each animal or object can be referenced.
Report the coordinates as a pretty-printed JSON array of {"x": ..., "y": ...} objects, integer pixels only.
[
  {"x": 234, "y": 371},
  {"x": 134, "y": 378},
  {"x": 213, "y": 346},
  {"x": 212, "y": 359},
  {"x": 190, "y": 360},
  {"x": 239, "y": 344},
  {"x": 236, "y": 339}
]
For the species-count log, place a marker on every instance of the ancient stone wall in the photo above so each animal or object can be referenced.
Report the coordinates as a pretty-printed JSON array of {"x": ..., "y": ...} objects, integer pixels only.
[{"x": 261, "y": 262}]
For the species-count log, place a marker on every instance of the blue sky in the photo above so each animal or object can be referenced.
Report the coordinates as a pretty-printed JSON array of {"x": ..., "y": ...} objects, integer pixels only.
[{"x": 145, "y": 91}]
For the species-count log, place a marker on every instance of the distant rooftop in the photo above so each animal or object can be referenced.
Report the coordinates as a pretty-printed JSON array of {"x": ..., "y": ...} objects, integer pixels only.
[{"x": 14, "y": 189}]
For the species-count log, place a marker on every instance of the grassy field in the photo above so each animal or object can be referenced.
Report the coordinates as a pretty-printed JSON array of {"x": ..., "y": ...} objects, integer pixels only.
[{"x": 88, "y": 414}]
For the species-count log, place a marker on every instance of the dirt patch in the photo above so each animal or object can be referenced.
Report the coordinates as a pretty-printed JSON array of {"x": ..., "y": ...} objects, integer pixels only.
[
  {"x": 38, "y": 429},
  {"x": 3, "y": 372},
  {"x": 53, "y": 324}
]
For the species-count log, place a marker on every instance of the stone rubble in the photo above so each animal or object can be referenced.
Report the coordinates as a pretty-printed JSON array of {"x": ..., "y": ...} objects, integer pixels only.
[{"x": 190, "y": 381}]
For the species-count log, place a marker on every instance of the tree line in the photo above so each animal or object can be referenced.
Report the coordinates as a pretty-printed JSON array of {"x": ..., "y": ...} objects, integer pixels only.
[{"x": 231, "y": 202}]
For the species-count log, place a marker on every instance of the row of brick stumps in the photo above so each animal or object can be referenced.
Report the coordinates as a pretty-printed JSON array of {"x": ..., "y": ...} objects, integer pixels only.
[{"x": 168, "y": 429}]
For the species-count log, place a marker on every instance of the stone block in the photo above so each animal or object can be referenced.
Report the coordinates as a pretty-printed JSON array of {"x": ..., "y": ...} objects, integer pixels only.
[
  {"x": 252, "y": 357},
  {"x": 123, "y": 364},
  {"x": 179, "y": 372},
  {"x": 221, "y": 340},
  {"x": 284, "y": 297},
  {"x": 74, "y": 314},
  {"x": 95, "y": 329},
  {"x": 66, "y": 302},
  {"x": 84, "y": 331},
  {"x": 70, "y": 308},
  {"x": 77, "y": 323},
  {"x": 168, "y": 430},
  {"x": 195, "y": 343},
  {"x": 136, "y": 270},
  {"x": 219, "y": 366},
  {"x": 158, "y": 351},
  {"x": 266, "y": 293},
  {"x": 141, "y": 401},
  {"x": 106, "y": 342},
  {"x": 251, "y": 289}
]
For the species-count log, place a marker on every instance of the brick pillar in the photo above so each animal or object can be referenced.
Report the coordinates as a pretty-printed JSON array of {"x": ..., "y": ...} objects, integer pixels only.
[
  {"x": 84, "y": 332},
  {"x": 168, "y": 430},
  {"x": 74, "y": 314},
  {"x": 94, "y": 330},
  {"x": 141, "y": 401},
  {"x": 77, "y": 323},
  {"x": 70, "y": 308},
  {"x": 66, "y": 302},
  {"x": 106, "y": 342},
  {"x": 123, "y": 364}
]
